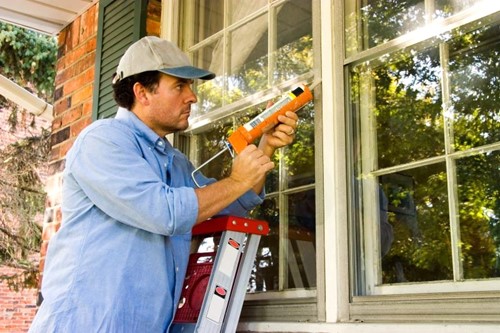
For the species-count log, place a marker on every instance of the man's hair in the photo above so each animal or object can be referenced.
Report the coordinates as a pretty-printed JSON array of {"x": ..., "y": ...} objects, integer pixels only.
[{"x": 123, "y": 91}]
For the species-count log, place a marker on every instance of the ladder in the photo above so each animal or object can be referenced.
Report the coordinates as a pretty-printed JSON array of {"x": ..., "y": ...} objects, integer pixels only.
[{"x": 216, "y": 282}]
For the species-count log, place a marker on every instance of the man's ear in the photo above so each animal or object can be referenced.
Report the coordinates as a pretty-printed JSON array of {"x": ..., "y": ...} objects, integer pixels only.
[{"x": 140, "y": 94}]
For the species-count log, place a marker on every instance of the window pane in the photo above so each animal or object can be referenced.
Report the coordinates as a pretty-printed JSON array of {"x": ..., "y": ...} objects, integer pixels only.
[
  {"x": 403, "y": 97},
  {"x": 210, "y": 93},
  {"x": 479, "y": 200},
  {"x": 414, "y": 209},
  {"x": 371, "y": 23},
  {"x": 249, "y": 57},
  {"x": 301, "y": 242},
  {"x": 475, "y": 88},
  {"x": 445, "y": 8},
  {"x": 299, "y": 157},
  {"x": 294, "y": 49},
  {"x": 265, "y": 276},
  {"x": 385, "y": 20},
  {"x": 208, "y": 19},
  {"x": 241, "y": 9}
]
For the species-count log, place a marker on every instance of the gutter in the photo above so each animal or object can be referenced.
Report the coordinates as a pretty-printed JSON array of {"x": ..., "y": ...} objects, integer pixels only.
[{"x": 22, "y": 97}]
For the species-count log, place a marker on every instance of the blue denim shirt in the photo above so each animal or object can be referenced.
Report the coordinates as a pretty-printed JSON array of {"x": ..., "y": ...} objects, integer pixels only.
[{"x": 118, "y": 262}]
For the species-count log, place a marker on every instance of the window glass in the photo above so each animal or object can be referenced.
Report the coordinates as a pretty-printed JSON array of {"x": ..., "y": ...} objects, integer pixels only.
[
  {"x": 301, "y": 244},
  {"x": 371, "y": 23},
  {"x": 208, "y": 19},
  {"x": 299, "y": 157},
  {"x": 294, "y": 49},
  {"x": 249, "y": 57},
  {"x": 241, "y": 9},
  {"x": 404, "y": 97},
  {"x": 475, "y": 88},
  {"x": 265, "y": 276},
  {"x": 414, "y": 225},
  {"x": 445, "y": 8},
  {"x": 478, "y": 185},
  {"x": 427, "y": 142},
  {"x": 210, "y": 93}
]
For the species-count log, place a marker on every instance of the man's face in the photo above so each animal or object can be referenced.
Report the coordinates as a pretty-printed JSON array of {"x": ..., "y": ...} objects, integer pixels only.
[{"x": 170, "y": 105}]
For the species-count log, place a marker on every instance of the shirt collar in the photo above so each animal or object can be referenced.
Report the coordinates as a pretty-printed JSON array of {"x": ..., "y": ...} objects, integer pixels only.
[{"x": 142, "y": 130}]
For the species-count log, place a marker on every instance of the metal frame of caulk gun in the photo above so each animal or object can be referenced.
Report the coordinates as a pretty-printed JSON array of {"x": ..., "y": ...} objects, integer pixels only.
[{"x": 229, "y": 146}]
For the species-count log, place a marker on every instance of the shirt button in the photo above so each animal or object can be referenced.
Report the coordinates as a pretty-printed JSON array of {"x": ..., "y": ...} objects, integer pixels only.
[
  {"x": 160, "y": 143},
  {"x": 176, "y": 269}
]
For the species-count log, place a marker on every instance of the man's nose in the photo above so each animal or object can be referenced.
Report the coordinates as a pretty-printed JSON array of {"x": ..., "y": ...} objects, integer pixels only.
[{"x": 191, "y": 96}]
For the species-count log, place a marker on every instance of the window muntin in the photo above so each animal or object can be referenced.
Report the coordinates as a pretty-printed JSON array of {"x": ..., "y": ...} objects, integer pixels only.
[
  {"x": 263, "y": 49},
  {"x": 427, "y": 135}
]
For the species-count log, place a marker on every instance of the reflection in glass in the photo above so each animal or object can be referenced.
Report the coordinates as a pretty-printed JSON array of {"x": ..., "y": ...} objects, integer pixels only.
[
  {"x": 209, "y": 93},
  {"x": 301, "y": 242},
  {"x": 299, "y": 157},
  {"x": 403, "y": 96},
  {"x": 294, "y": 49},
  {"x": 415, "y": 204},
  {"x": 431, "y": 111},
  {"x": 475, "y": 88},
  {"x": 208, "y": 19},
  {"x": 265, "y": 275},
  {"x": 370, "y": 23},
  {"x": 386, "y": 20},
  {"x": 479, "y": 210},
  {"x": 249, "y": 57},
  {"x": 446, "y": 8},
  {"x": 241, "y": 9}
]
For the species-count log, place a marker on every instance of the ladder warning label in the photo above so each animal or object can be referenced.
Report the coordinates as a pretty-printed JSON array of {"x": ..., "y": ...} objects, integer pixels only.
[
  {"x": 216, "y": 307},
  {"x": 229, "y": 257}
]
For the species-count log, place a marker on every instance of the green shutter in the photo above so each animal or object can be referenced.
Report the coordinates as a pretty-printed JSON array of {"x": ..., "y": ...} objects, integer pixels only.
[{"x": 121, "y": 22}]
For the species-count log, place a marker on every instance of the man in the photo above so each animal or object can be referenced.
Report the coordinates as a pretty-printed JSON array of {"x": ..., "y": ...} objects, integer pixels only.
[{"x": 118, "y": 262}]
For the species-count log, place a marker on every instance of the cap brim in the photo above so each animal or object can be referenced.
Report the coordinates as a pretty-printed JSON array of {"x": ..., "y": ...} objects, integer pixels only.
[{"x": 189, "y": 72}]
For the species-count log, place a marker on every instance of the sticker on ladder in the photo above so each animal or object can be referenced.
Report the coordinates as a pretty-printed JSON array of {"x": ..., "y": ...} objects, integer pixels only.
[
  {"x": 216, "y": 307},
  {"x": 229, "y": 257}
]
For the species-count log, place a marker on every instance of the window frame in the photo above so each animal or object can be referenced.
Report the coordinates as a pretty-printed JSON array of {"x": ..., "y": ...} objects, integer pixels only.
[{"x": 470, "y": 300}]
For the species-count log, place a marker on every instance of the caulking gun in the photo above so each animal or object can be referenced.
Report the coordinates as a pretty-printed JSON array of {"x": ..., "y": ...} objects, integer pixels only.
[{"x": 267, "y": 119}]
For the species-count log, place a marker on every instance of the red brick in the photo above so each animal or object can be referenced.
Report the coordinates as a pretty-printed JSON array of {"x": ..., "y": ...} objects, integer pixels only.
[
  {"x": 83, "y": 94},
  {"x": 80, "y": 125},
  {"x": 72, "y": 115}
]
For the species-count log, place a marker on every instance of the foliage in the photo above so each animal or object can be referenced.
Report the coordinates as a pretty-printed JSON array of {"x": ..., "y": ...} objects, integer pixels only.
[
  {"x": 27, "y": 58},
  {"x": 22, "y": 200}
]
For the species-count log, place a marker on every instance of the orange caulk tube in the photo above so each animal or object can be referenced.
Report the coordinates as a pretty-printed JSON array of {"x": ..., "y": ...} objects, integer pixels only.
[{"x": 267, "y": 119}]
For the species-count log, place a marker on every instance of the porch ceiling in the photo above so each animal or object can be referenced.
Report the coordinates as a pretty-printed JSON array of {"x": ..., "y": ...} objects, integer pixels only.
[{"x": 46, "y": 16}]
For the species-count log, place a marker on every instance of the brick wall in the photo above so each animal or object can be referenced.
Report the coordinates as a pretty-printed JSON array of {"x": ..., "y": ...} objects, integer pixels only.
[
  {"x": 17, "y": 308},
  {"x": 72, "y": 108}
]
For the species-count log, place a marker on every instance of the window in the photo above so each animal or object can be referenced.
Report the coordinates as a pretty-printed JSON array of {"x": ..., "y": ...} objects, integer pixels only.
[
  {"x": 259, "y": 50},
  {"x": 425, "y": 130}
]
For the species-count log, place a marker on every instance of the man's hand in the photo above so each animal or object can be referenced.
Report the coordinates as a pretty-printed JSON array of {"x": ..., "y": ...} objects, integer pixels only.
[
  {"x": 250, "y": 166},
  {"x": 281, "y": 135},
  {"x": 248, "y": 172}
]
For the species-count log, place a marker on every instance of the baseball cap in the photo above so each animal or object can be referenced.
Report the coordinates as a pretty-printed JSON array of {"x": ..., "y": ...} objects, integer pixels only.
[{"x": 152, "y": 53}]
